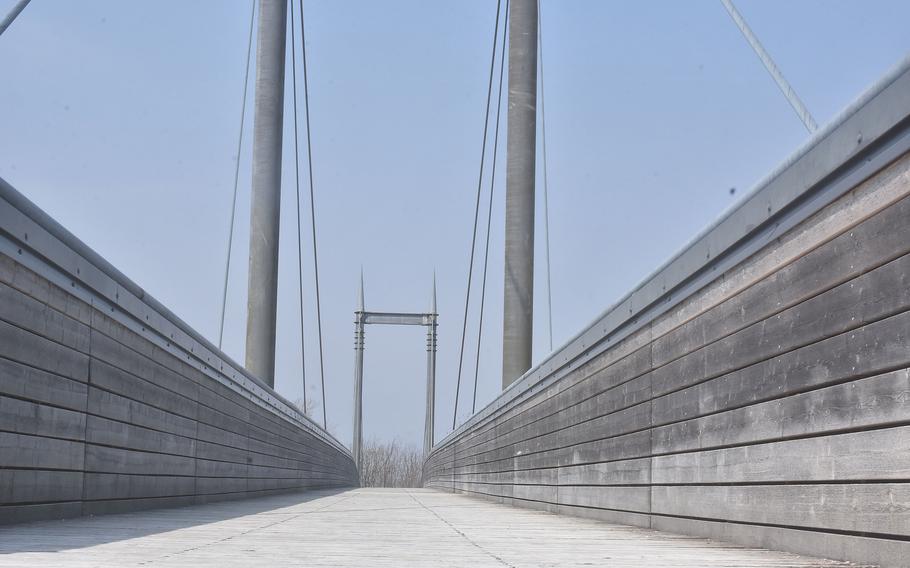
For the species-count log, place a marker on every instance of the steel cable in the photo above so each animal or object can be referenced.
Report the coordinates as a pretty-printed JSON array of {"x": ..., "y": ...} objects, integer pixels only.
[
  {"x": 546, "y": 189},
  {"x": 227, "y": 267},
  {"x": 309, "y": 153},
  {"x": 297, "y": 186},
  {"x": 486, "y": 254},
  {"x": 483, "y": 149}
]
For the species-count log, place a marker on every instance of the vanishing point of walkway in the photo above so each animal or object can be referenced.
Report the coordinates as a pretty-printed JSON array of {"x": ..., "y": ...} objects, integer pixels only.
[{"x": 363, "y": 527}]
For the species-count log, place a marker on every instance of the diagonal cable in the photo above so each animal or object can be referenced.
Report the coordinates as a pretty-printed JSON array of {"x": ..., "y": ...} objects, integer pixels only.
[
  {"x": 297, "y": 186},
  {"x": 12, "y": 15},
  {"x": 486, "y": 254},
  {"x": 309, "y": 155},
  {"x": 546, "y": 189},
  {"x": 227, "y": 264},
  {"x": 771, "y": 67},
  {"x": 483, "y": 151}
]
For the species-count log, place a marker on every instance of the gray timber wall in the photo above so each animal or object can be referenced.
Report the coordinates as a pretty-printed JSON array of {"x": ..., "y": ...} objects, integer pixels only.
[
  {"x": 108, "y": 402},
  {"x": 755, "y": 389}
]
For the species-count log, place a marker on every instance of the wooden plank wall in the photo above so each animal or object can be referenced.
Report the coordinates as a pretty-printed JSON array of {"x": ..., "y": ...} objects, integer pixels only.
[
  {"x": 96, "y": 418},
  {"x": 770, "y": 408}
]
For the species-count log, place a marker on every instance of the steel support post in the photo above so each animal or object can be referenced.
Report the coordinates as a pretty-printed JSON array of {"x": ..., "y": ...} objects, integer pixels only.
[
  {"x": 430, "y": 418},
  {"x": 357, "y": 445}
]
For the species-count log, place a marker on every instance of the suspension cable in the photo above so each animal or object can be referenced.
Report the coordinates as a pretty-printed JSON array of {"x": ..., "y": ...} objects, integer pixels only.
[
  {"x": 546, "y": 198},
  {"x": 789, "y": 93},
  {"x": 297, "y": 186},
  {"x": 309, "y": 154},
  {"x": 12, "y": 15},
  {"x": 227, "y": 264},
  {"x": 483, "y": 149},
  {"x": 486, "y": 254}
]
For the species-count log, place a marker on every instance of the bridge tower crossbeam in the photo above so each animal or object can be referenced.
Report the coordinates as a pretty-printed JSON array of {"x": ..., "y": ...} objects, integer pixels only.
[{"x": 362, "y": 318}]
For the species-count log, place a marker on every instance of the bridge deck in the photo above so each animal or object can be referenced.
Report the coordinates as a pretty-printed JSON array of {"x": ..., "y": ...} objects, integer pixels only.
[{"x": 363, "y": 527}]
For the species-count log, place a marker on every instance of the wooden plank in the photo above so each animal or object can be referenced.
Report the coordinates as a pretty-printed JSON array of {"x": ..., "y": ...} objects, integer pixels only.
[
  {"x": 22, "y": 381},
  {"x": 36, "y": 486},
  {"x": 872, "y": 296},
  {"x": 122, "y": 409},
  {"x": 207, "y": 450},
  {"x": 629, "y": 499},
  {"x": 118, "y": 460},
  {"x": 132, "y": 344},
  {"x": 35, "y": 351},
  {"x": 207, "y": 433},
  {"x": 115, "y": 506},
  {"x": 866, "y": 551},
  {"x": 878, "y": 508},
  {"x": 101, "y": 431},
  {"x": 215, "y": 468},
  {"x": 36, "y": 452},
  {"x": 865, "y": 403},
  {"x": 107, "y": 354},
  {"x": 144, "y": 389},
  {"x": 26, "y": 417},
  {"x": 29, "y": 314},
  {"x": 117, "y": 486},
  {"x": 881, "y": 238},
  {"x": 869, "y": 350},
  {"x": 865, "y": 455},
  {"x": 28, "y": 282},
  {"x": 208, "y": 485},
  {"x": 12, "y": 514},
  {"x": 623, "y": 472}
]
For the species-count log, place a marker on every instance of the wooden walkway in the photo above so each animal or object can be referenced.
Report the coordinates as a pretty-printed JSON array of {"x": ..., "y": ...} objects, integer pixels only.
[{"x": 364, "y": 527}]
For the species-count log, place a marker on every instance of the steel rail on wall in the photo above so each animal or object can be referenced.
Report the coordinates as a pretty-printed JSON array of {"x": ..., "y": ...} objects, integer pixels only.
[
  {"x": 41, "y": 244},
  {"x": 871, "y": 132}
]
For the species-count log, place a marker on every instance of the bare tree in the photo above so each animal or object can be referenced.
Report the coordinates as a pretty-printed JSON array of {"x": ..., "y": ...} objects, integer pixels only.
[
  {"x": 307, "y": 409},
  {"x": 390, "y": 465}
]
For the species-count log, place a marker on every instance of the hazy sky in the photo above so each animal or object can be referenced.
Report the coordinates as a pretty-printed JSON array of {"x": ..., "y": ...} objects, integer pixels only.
[{"x": 120, "y": 119}]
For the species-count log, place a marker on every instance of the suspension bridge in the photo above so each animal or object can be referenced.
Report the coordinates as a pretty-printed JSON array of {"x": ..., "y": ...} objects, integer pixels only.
[{"x": 747, "y": 404}]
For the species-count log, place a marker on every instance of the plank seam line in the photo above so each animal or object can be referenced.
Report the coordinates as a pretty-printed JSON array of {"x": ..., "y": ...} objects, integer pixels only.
[
  {"x": 811, "y": 388},
  {"x": 877, "y": 481},
  {"x": 859, "y": 326},
  {"x": 828, "y": 432},
  {"x": 156, "y": 452},
  {"x": 875, "y": 535},
  {"x": 187, "y": 371},
  {"x": 810, "y": 435},
  {"x": 56, "y": 375},
  {"x": 203, "y": 380},
  {"x": 252, "y": 492},
  {"x": 246, "y": 532},
  {"x": 857, "y": 376},
  {"x": 87, "y": 472},
  {"x": 277, "y": 433},
  {"x": 305, "y": 443},
  {"x": 460, "y": 533},
  {"x": 202, "y": 369}
]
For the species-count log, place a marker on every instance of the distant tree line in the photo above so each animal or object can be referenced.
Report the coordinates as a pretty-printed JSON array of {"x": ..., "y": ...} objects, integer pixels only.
[{"x": 390, "y": 464}]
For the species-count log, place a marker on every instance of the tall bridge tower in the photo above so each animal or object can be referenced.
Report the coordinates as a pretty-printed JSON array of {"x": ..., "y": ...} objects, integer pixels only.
[{"x": 518, "y": 295}]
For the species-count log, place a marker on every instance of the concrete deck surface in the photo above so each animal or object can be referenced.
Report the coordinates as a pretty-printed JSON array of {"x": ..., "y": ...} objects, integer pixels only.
[{"x": 364, "y": 527}]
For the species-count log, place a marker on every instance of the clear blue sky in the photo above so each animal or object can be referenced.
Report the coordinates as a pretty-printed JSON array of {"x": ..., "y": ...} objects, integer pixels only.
[{"x": 121, "y": 118}]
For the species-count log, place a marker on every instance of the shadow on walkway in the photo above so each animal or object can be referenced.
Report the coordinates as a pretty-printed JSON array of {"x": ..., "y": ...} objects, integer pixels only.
[{"x": 84, "y": 532}]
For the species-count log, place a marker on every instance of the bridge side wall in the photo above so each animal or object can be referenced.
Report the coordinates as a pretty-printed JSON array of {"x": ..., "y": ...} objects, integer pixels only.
[
  {"x": 109, "y": 403},
  {"x": 770, "y": 407}
]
